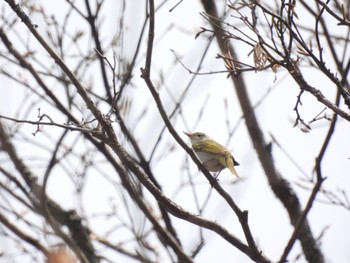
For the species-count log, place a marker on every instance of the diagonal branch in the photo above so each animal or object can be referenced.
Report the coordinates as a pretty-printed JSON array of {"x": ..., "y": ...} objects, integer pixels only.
[
  {"x": 279, "y": 186},
  {"x": 83, "y": 248},
  {"x": 253, "y": 251}
]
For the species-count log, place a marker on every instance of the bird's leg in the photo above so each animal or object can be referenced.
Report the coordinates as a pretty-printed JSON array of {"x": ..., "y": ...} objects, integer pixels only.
[{"x": 217, "y": 175}]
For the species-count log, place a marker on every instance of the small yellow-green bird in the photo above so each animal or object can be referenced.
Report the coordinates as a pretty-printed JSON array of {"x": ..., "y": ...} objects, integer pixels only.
[{"x": 213, "y": 155}]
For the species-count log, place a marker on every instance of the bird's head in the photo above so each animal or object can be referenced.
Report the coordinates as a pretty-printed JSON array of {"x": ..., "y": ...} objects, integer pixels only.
[{"x": 197, "y": 136}]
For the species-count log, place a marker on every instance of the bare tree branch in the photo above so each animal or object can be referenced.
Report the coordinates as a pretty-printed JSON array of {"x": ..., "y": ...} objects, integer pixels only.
[{"x": 280, "y": 186}]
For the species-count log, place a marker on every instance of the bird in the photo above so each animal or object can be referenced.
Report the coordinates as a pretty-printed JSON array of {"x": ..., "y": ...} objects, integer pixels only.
[{"x": 212, "y": 154}]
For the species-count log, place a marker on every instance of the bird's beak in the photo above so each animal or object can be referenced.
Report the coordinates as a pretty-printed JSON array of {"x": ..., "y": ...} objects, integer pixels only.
[{"x": 188, "y": 134}]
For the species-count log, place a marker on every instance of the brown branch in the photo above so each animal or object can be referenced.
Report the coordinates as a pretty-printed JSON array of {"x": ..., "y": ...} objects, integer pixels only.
[
  {"x": 342, "y": 21},
  {"x": 105, "y": 124},
  {"x": 174, "y": 209},
  {"x": 279, "y": 186},
  {"x": 314, "y": 192},
  {"x": 295, "y": 72},
  {"x": 22, "y": 235},
  {"x": 23, "y": 62},
  {"x": 288, "y": 62},
  {"x": 137, "y": 256},
  {"x": 68, "y": 218},
  {"x": 253, "y": 251},
  {"x": 91, "y": 19},
  {"x": 50, "y": 123},
  {"x": 145, "y": 164},
  {"x": 300, "y": 224},
  {"x": 80, "y": 89}
]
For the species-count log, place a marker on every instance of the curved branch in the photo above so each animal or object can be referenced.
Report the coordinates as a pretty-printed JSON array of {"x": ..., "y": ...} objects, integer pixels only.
[
  {"x": 30, "y": 240},
  {"x": 279, "y": 186},
  {"x": 253, "y": 251},
  {"x": 83, "y": 248}
]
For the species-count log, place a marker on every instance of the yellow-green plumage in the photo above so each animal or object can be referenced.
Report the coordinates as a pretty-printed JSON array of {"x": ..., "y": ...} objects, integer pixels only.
[{"x": 213, "y": 155}]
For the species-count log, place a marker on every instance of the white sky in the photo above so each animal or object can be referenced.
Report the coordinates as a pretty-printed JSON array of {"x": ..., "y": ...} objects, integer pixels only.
[{"x": 268, "y": 220}]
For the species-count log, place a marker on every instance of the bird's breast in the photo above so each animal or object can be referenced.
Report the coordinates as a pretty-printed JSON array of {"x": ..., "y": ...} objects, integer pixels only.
[{"x": 210, "y": 161}]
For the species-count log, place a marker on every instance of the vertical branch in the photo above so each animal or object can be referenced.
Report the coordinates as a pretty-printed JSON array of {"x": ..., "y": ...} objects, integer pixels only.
[
  {"x": 94, "y": 31},
  {"x": 145, "y": 74},
  {"x": 147, "y": 70},
  {"x": 279, "y": 186}
]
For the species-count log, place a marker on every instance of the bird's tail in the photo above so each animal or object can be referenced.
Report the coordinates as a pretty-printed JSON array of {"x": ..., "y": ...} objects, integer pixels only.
[{"x": 231, "y": 167}]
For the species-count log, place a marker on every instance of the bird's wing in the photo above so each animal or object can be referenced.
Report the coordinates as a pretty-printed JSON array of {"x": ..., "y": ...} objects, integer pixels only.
[
  {"x": 225, "y": 157},
  {"x": 212, "y": 147}
]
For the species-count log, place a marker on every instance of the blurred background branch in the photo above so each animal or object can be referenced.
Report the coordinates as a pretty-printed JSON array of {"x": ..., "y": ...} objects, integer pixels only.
[{"x": 93, "y": 165}]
